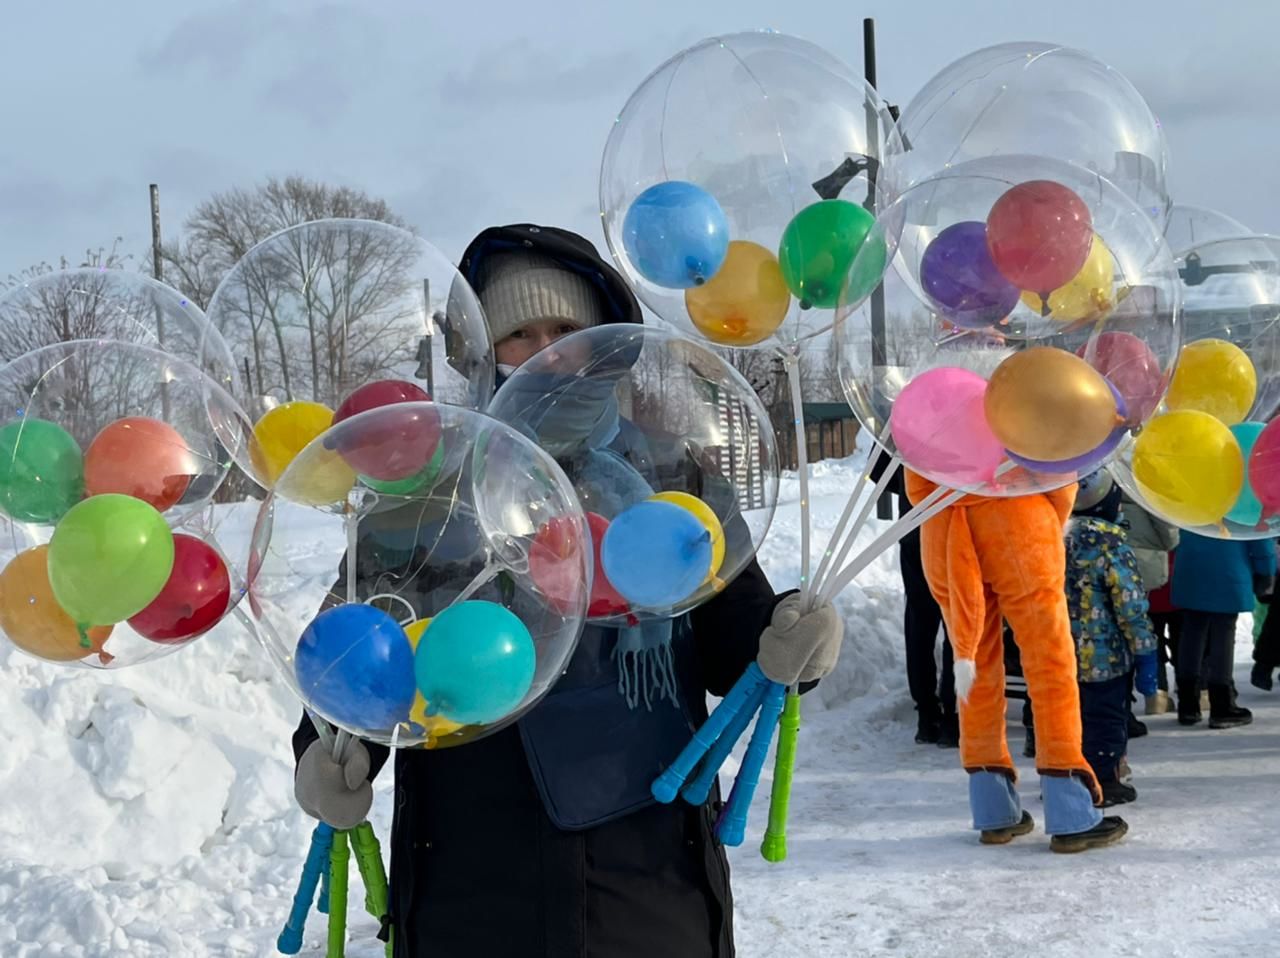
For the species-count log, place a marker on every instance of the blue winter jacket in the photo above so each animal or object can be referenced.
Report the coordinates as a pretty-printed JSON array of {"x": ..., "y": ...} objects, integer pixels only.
[
  {"x": 1216, "y": 575},
  {"x": 1106, "y": 599}
]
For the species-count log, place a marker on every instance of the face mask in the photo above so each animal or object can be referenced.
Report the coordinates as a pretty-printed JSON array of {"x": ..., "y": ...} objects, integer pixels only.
[
  {"x": 505, "y": 371},
  {"x": 565, "y": 414}
]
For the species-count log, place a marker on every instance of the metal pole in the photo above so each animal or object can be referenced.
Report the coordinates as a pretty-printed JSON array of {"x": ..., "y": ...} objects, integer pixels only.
[
  {"x": 428, "y": 360},
  {"x": 884, "y": 508},
  {"x": 157, "y": 271}
]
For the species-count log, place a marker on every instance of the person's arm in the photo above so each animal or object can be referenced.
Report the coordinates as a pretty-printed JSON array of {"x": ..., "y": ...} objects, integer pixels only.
[
  {"x": 306, "y": 733},
  {"x": 1262, "y": 557},
  {"x": 726, "y": 628},
  {"x": 1129, "y": 600}
]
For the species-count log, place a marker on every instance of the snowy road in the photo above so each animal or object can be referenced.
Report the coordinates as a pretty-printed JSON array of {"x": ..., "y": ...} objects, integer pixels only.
[{"x": 148, "y": 813}]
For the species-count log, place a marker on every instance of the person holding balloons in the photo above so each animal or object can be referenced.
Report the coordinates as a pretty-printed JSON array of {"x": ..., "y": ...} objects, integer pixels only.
[
  {"x": 543, "y": 839},
  {"x": 1214, "y": 580}
]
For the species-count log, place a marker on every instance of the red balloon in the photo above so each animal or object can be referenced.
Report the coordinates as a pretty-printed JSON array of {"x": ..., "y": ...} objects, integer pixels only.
[
  {"x": 1039, "y": 234},
  {"x": 195, "y": 598},
  {"x": 554, "y": 563},
  {"x": 397, "y": 445},
  {"x": 140, "y": 457},
  {"x": 1131, "y": 367}
]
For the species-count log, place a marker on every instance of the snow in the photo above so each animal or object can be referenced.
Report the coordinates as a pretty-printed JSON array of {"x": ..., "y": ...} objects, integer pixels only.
[{"x": 148, "y": 812}]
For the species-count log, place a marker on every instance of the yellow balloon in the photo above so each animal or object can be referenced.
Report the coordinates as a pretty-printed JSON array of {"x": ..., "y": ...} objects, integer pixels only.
[
  {"x": 284, "y": 432},
  {"x": 745, "y": 301},
  {"x": 1049, "y": 405},
  {"x": 1216, "y": 377},
  {"x": 710, "y": 521},
  {"x": 1189, "y": 467},
  {"x": 1089, "y": 294},
  {"x": 435, "y": 725}
]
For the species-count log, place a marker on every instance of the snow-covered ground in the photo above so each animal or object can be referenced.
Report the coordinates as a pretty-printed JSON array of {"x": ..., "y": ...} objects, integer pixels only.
[{"x": 149, "y": 812}]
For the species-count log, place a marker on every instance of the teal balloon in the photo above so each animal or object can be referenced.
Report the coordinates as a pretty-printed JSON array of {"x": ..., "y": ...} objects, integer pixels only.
[
  {"x": 656, "y": 554},
  {"x": 41, "y": 470},
  {"x": 475, "y": 663},
  {"x": 1248, "y": 509}
]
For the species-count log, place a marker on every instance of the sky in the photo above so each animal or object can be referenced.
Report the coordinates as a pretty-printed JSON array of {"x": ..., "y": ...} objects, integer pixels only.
[{"x": 464, "y": 115}]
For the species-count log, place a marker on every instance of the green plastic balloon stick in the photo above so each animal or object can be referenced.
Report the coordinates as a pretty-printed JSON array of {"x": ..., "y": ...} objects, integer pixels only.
[
  {"x": 372, "y": 872},
  {"x": 339, "y": 864},
  {"x": 774, "y": 845}
]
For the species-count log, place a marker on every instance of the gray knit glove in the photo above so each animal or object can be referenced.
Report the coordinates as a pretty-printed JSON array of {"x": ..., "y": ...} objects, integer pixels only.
[
  {"x": 337, "y": 793},
  {"x": 800, "y": 648}
]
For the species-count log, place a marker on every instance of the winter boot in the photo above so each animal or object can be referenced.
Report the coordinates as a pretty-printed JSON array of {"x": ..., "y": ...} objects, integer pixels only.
[
  {"x": 1223, "y": 711},
  {"x": 1107, "y": 832},
  {"x": 1029, "y": 747},
  {"x": 949, "y": 732},
  {"x": 1003, "y": 836},
  {"x": 1158, "y": 703},
  {"x": 926, "y": 728},
  {"x": 1117, "y": 793},
  {"x": 1137, "y": 729},
  {"x": 1260, "y": 677},
  {"x": 1188, "y": 703}
]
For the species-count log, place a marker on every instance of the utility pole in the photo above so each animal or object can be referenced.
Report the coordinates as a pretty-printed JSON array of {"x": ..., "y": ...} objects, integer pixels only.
[
  {"x": 157, "y": 272},
  {"x": 425, "y": 359}
]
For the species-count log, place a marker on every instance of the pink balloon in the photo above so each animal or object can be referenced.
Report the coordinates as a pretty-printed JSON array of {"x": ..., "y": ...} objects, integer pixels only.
[
  {"x": 1264, "y": 468},
  {"x": 1129, "y": 365},
  {"x": 940, "y": 428}
]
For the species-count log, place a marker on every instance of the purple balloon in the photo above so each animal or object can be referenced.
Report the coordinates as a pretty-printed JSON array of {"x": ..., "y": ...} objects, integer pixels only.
[
  {"x": 957, "y": 273},
  {"x": 1090, "y": 460}
]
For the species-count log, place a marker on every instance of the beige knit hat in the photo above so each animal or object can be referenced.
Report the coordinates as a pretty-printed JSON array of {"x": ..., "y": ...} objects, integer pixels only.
[{"x": 519, "y": 288}]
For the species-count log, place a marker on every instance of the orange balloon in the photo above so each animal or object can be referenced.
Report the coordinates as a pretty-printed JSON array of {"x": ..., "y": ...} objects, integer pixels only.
[
  {"x": 745, "y": 301},
  {"x": 32, "y": 619},
  {"x": 1049, "y": 405},
  {"x": 140, "y": 457}
]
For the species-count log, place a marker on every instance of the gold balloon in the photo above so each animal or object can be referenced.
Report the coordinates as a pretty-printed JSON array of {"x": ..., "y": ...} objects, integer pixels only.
[
  {"x": 1089, "y": 294},
  {"x": 745, "y": 301},
  {"x": 32, "y": 618},
  {"x": 1048, "y": 404},
  {"x": 1189, "y": 467},
  {"x": 1216, "y": 377}
]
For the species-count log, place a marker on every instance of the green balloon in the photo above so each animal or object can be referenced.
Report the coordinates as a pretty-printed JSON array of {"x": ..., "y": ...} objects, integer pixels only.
[
  {"x": 109, "y": 557},
  {"x": 41, "y": 470},
  {"x": 819, "y": 249},
  {"x": 425, "y": 476}
]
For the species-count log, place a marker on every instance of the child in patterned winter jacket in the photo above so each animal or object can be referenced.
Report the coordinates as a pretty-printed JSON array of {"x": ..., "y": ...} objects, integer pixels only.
[{"x": 1113, "y": 636}]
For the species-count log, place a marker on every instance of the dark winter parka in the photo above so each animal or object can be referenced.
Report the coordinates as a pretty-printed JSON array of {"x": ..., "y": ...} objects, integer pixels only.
[{"x": 541, "y": 841}]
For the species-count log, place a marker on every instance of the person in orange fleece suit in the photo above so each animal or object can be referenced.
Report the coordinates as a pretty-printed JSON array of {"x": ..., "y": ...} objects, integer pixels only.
[{"x": 985, "y": 558}]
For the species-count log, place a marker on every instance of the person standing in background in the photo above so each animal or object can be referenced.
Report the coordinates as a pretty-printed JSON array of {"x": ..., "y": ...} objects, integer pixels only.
[
  {"x": 1152, "y": 540},
  {"x": 933, "y": 694},
  {"x": 1214, "y": 580}
]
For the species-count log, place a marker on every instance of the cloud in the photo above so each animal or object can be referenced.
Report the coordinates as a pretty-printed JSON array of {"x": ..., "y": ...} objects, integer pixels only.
[
  {"x": 216, "y": 39},
  {"x": 520, "y": 73}
]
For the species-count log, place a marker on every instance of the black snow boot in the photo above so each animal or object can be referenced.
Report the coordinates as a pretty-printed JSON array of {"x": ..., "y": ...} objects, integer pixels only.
[
  {"x": 1223, "y": 711},
  {"x": 1117, "y": 793},
  {"x": 1003, "y": 836},
  {"x": 1107, "y": 832},
  {"x": 949, "y": 732},
  {"x": 926, "y": 728},
  {"x": 1137, "y": 728},
  {"x": 1188, "y": 703},
  {"x": 1029, "y": 747}
]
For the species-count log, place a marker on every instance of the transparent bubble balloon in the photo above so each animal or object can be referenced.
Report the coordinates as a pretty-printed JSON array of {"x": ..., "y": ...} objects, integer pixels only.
[
  {"x": 1035, "y": 99},
  {"x": 735, "y": 188},
  {"x": 472, "y": 568},
  {"x": 670, "y": 452},
  {"x": 1209, "y": 459},
  {"x": 320, "y": 311},
  {"x": 1029, "y": 326},
  {"x": 1192, "y": 226},
  {"x": 112, "y": 549},
  {"x": 113, "y": 304}
]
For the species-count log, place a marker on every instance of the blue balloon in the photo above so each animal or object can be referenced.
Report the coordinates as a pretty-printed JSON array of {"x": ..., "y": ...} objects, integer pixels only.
[
  {"x": 354, "y": 665},
  {"x": 656, "y": 554},
  {"x": 475, "y": 663},
  {"x": 1248, "y": 509},
  {"x": 676, "y": 235}
]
